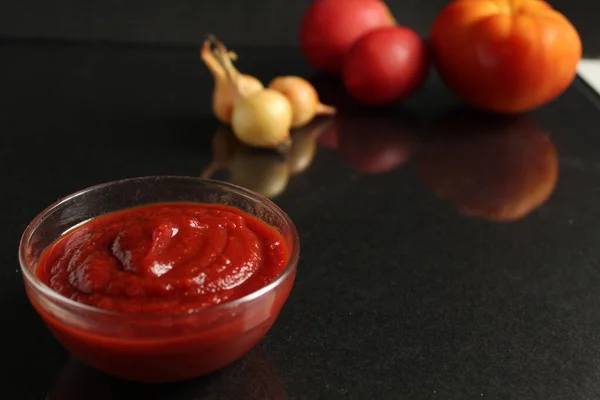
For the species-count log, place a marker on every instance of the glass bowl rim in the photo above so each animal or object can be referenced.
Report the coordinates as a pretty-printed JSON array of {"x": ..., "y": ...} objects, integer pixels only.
[{"x": 62, "y": 301}]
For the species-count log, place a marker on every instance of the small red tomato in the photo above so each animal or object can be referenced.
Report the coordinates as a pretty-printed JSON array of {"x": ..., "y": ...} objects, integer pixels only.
[
  {"x": 330, "y": 27},
  {"x": 385, "y": 65}
]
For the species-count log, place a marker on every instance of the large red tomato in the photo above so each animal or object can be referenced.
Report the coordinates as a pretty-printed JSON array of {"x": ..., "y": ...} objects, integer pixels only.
[{"x": 506, "y": 56}]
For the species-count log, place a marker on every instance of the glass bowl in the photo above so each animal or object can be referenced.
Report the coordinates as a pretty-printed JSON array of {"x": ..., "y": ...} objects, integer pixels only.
[{"x": 147, "y": 347}]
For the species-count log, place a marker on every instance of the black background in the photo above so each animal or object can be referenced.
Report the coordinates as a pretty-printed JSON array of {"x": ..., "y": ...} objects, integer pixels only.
[{"x": 252, "y": 22}]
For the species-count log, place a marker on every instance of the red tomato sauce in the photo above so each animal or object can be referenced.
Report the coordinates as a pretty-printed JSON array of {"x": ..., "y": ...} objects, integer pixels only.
[{"x": 164, "y": 258}]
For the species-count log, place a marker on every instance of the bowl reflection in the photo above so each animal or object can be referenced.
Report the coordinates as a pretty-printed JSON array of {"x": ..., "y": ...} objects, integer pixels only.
[
  {"x": 494, "y": 167},
  {"x": 376, "y": 141},
  {"x": 253, "y": 377},
  {"x": 261, "y": 170}
]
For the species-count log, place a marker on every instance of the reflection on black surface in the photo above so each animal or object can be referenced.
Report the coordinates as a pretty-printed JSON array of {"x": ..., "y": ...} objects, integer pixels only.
[
  {"x": 264, "y": 171},
  {"x": 304, "y": 144},
  {"x": 493, "y": 167},
  {"x": 376, "y": 141},
  {"x": 253, "y": 378},
  {"x": 372, "y": 140}
]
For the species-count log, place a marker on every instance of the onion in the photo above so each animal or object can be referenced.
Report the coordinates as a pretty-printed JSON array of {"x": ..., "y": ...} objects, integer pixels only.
[
  {"x": 223, "y": 94},
  {"x": 303, "y": 97},
  {"x": 259, "y": 119}
]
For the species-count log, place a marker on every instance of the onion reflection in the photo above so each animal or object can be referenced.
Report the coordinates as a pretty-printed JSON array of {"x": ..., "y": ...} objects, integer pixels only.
[
  {"x": 264, "y": 171},
  {"x": 304, "y": 144},
  {"x": 253, "y": 377},
  {"x": 376, "y": 141},
  {"x": 493, "y": 167}
]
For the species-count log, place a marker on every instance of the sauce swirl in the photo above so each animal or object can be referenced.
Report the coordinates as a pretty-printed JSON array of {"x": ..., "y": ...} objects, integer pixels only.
[{"x": 164, "y": 258}]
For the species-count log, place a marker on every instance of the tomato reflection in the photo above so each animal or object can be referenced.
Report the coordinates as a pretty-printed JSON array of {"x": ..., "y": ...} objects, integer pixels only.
[
  {"x": 376, "y": 141},
  {"x": 494, "y": 167},
  {"x": 372, "y": 140},
  {"x": 329, "y": 139}
]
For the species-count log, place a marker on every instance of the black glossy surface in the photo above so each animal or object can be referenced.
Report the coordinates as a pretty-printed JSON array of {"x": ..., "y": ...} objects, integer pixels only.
[{"x": 398, "y": 293}]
